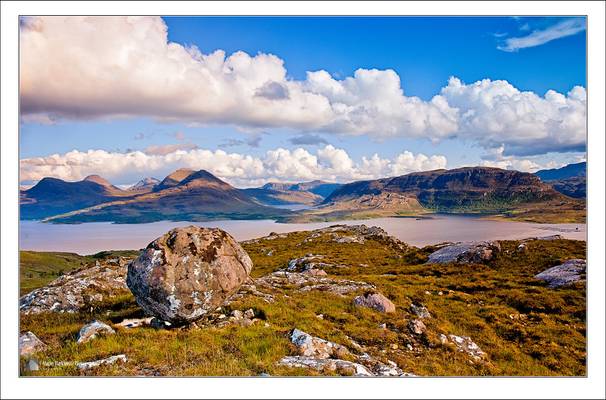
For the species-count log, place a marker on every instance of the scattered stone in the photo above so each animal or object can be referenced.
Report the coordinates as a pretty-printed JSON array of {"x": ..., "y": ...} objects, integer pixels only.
[
  {"x": 29, "y": 344},
  {"x": 320, "y": 316},
  {"x": 249, "y": 314},
  {"x": 465, "y": 252},
  {"x": 92, "y": 330},
  {"x": 464, "y": 344},
  {"x": 393, "y": 346},
  {"x": 375, "y": 301},
  {"x": 440, "y": 293},
  {"x": 187, "y": 272},
  {"x": 237, "y": 314},
  {"x": 522, "y": 248},
  {"x": 417, "y": 327},
  {"x": 311, "y": 346},
  {"x": 383, "y": 326},
  {"x": 83, "y": 366},
  {"x": 564, "y": 274},
  {"x": 135, "y": 323},
  {"x": 316, "y": 272},
  {"x": 78, "y": 290},
  {"x": 420, "y": 310}
]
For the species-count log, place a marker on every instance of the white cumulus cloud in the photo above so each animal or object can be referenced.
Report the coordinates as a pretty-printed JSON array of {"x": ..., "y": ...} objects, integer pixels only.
[
  {"x": 282, "y": 165},
  {"x": 108, "y": 67}
]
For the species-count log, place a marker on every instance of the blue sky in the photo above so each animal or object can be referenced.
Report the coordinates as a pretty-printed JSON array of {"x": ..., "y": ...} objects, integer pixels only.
[{"x": 424, "y": 52}]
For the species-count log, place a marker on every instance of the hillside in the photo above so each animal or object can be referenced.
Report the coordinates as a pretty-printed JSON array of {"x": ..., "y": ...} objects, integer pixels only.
[
  {"x": 514, "y": 323},
  {"x": 182, "y": 196},
  {"x": 53, "y": 196},
  {"x": 462, "y": 190},
  {"x": 307, "y": 193},
  {"x": 570, "y": 180}
]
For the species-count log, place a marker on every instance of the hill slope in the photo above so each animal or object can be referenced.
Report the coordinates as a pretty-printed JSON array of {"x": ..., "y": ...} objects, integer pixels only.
[
  {"x": 53, "y": 196},
  {"x": 182, "y": 196},
  {"x": 461, "y": 190},
  {"x": 570, "y": 180}
]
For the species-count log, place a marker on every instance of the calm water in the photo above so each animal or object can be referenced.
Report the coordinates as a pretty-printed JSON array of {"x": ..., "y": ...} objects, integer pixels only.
[{"x": 93, "y": 237}]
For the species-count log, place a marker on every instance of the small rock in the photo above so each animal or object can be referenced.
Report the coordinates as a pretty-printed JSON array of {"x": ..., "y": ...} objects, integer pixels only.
[
  {"x": 420, "y": 310},
  {"x": 393, "y": 346},
  {"x": 92, "y": 330},
  {"x": 383, "y": 326},
  {"x": 340, "y": 366},
  {"x": 375, "y": 301},
  {"x": 440, "y": 293},
  {"x": 320, "y": 316},
  {"x": 417, "y": 327},
  {"x": 250, "y": 313},
  {"x": 104, "y": 361},
  {"x": 311, "y": 346},
  {"x": 315, "y": 272},
  {"x": 135, "y": 323},
  {"x": 32, "y": 365},
  {"x": 29, "y": 344},
  {"x": 521, "y": 248},
  {"x": 237, "y": 314},
  {"x": 409, "y": 347}
]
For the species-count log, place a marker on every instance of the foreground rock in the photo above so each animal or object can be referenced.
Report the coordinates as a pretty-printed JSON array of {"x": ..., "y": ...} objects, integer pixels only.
[
  {"x": 375, "y": 301},
  {"x": 564, "y": 274},
  {"x": 465, "y": 252},
  {"x": 325, "y": 356},
  {"x": 83, "y": 366},
  {"x": 29, "y": 344},
  {"x": 311, "y": 346},
  {"x": 93, "y": 330},
  {"x": 78, "y": 290},
  {"x": 188, "y": 272}
]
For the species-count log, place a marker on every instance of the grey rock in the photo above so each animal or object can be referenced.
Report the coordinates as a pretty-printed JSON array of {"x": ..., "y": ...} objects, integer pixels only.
[
  {"x": 564, "y": 274},
  {"x": 420, "y": 310},
  {"x": 187, "y": 272},
  {"x": 311, "y": 346},
  {"x": 464, "y": 344},
  {"x": 249, "y": 314},
  {"x": 30, "y": 344},
  {"x": 465, "y": 252},
  {"x": 32, "y": 365},
  {"x": 92, "y": 330},
  {"x": 375, "y": 301}
]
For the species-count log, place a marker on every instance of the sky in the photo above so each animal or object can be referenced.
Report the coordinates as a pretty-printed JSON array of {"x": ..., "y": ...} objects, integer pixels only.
[{"x": 258, "y": 99}]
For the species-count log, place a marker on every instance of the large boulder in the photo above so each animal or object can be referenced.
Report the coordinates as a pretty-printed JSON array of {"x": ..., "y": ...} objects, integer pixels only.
[
  {"x": 465, "y": 252},
  {"x": 188, "y": 272},
  {"x": 564, "y": 274}
]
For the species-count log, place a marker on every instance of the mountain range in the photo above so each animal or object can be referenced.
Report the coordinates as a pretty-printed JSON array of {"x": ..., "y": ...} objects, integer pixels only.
[
  {"x": 570, "y": 180},
  {"x": 189, "y": 195}
]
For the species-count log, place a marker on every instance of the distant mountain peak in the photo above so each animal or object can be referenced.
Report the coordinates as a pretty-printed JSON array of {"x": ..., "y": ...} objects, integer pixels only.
[
  {"x": 98, "y": 179},
  {"x": 145, "y": 183}
]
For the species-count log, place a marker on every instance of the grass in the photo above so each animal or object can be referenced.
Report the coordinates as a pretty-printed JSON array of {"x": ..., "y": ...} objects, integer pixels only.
[{"x": 525, "y": 328}]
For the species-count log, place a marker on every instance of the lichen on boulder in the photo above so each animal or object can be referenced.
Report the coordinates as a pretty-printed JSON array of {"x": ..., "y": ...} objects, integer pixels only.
[{"x": 187, "y": 272}]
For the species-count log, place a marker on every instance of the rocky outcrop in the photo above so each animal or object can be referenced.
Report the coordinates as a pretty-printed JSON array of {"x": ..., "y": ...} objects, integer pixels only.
[
  {"x": 93, "y": 330},
  {"x": 356, "y": 234},
  {"x": 29, "y": 344},
  {"x": 188, "y": 272},
  {"x": 79, "y": 289},
  {"x": 308, "y": 282},
  {"x": 325, "y": 356},
  {"x": 130, "y": 323},
  {"x": 375, "y": 301},
  {"x": 83, "y": 366},
  {"x": 417, "y": 327},
  {"x": 307, "y": 263},
  {"x": 465, "y": 252},
  {"x": 564, "y": 274}
]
